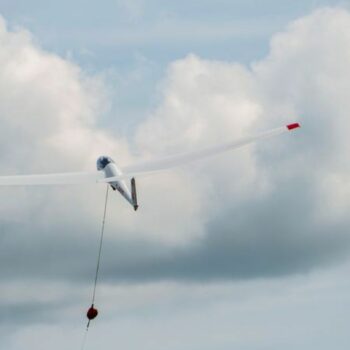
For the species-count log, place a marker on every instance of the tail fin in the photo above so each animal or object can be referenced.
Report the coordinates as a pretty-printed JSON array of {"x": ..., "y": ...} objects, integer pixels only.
[{"x": 133, "y": 193}]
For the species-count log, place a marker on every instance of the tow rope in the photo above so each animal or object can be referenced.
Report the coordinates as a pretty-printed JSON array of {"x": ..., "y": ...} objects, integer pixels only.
[{"x": 93, "y": 312}]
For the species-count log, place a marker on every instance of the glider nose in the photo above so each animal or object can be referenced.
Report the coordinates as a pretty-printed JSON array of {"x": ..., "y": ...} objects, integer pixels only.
[{"x": 103, "y": 161}]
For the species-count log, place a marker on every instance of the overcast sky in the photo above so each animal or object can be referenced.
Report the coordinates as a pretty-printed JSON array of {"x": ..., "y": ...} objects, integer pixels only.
[{"x": 249, "y": 250}]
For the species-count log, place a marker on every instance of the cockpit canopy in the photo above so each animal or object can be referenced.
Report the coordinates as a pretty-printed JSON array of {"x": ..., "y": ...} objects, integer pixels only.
[{"x": 103, "y": 161}]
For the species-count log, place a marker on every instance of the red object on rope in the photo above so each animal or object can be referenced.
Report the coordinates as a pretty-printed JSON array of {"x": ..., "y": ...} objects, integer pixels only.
[{"x": 92, "y": 313}]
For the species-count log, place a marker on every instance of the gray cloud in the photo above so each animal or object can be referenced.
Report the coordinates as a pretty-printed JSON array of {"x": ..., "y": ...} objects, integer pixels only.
[
  {"x": 269, "y": 242},
  {"x": 275, "y": 210},
  {"x": 267, "y": 211}
]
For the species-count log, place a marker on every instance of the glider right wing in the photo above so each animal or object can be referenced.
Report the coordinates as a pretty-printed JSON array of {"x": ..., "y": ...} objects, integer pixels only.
[{"x": 157, "y": 165}]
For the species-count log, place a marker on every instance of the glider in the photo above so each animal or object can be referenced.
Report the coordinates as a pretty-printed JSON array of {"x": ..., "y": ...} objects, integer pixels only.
[{"x": 108, "y": 172}]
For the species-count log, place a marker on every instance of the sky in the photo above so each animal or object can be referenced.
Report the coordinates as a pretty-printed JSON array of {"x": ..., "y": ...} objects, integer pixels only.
[{"x": 249, "y": 250}]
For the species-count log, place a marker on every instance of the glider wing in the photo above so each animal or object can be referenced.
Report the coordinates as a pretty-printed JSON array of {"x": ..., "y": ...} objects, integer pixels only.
[
  {"x": 52, "y": 179},
  {"x": 180, "y": 159},
  {"x": 140, "y": 168}
]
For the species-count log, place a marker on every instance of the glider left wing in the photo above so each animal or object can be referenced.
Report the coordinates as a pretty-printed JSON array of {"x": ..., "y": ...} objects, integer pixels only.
[{"x": 52, "y": 179}]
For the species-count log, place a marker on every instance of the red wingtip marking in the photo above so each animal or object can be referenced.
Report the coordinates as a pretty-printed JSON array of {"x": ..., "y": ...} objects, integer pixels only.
[{"x": 293, "y": 126}]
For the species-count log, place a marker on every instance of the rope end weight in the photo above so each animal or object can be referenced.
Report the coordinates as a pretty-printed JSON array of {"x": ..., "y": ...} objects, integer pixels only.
[{"x": 92, "y": 313}]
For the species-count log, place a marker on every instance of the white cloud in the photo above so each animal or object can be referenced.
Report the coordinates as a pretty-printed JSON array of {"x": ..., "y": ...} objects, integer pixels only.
[
  {"x": 304, "y": 78},
  {"x": 49, "y": 110},
  {"x": 274, "y": 209}
]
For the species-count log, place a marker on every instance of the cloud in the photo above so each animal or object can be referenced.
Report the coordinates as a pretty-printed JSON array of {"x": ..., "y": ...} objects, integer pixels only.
[
  {"x": 274, "y": 209},
  {"x": 259, "y": 313},
  {"x": 280, "y": 207}
]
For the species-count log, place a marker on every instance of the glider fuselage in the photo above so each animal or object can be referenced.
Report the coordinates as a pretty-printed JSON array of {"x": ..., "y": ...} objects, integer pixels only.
[{"x": 110, "y": 169}]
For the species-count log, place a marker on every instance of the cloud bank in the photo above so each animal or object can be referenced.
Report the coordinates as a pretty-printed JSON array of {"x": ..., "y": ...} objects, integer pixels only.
[{"x": 275, "y": 209}]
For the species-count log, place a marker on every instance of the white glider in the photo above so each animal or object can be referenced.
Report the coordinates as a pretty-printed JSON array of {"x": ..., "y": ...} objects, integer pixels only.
[{"x": 108, "y": 172}]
